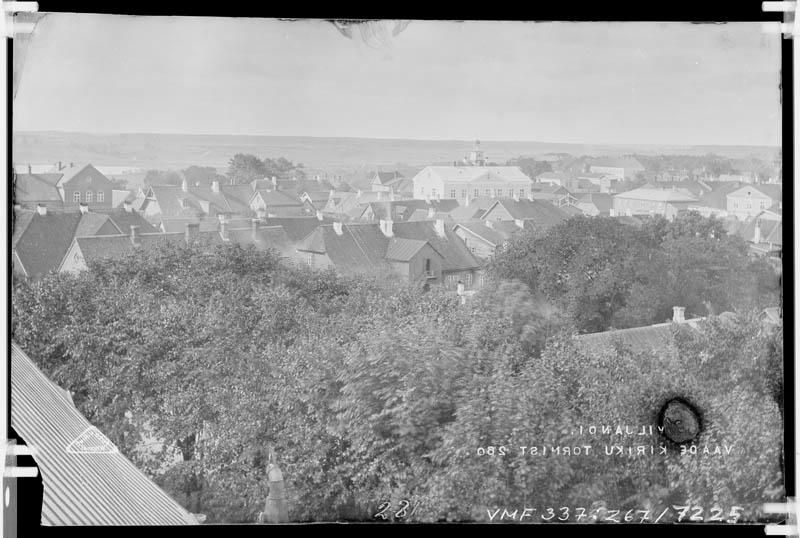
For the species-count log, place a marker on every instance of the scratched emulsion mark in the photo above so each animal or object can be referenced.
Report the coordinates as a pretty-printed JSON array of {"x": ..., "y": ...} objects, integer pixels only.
[{"x": 680, "y": 421}]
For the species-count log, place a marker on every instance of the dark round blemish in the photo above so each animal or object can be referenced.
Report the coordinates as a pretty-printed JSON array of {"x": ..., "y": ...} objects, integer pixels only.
[{"x": 680, "y": 421}]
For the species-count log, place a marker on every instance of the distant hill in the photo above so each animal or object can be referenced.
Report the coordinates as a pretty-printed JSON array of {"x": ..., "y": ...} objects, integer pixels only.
[{"x": 335, "y": 155}]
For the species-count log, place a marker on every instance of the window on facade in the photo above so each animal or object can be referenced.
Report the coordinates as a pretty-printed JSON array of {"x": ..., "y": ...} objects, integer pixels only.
[
  {"x": 736, "y": 204},
  {"x": 428, "y": 266},
  {"x": 475, "y": 193},
  {"x": 522, "y": 192},
  {"x": 452, "y": 193},
  {"x": 511, "y": 192},
  {"x": 76, "y": 196},
  {"x": 463, "y": 193},
  {"x": 763, "y": 204},
  {"x": 433, "y": 192},
  {"x": 100, "y": 196},
  {"x": 488, "y": 192},
  {"x": 468, "y": 278},
  {"x": 88, "y": 196}
]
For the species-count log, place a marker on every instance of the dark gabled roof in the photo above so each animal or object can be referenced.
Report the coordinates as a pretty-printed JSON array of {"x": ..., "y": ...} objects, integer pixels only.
[
  {"x": 602, "y": 201},
  {"x": 207, "y": 224},
  {"x": 479, "y": 229},
  {"x": 718, "y": 197},
  {"x": 125, "y": 219},
  {"x": 297, "y": 228},
  {"x": 360, "y": 248},
  {"x": 93, "y": 223},
  {"x": 403, "y": 250},
  {"x": 37, "y": 188},
  {"x": 46, "y": 239},
  {"x": 22, "y": 219},
  {"x": 264, "y": 238},
  {"x": 385, "y": 178},
  {"x": 773, "y": 191},
  {"x": 363, "y": 246},
  {"x": 510, "y": 227},
  {"x": 201, "y": 200},
  {"x": 475, "y": 210},
  {"x": 455, "y": 254},
  {"x": 71, "y": 171},
  {"x": 771, "y": 230},
  {"x": 318, "y": 197},
  {"x": 542, "y": 214},
  {"x": 279, "y": 198},
  {"x": 90, "y": 484},
  {"x": 119, "y": 245}
]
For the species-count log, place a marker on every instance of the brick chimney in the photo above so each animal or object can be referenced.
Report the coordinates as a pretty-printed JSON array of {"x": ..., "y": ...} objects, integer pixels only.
[
  {"x": 192, "y": 232},
  {"x": 488, "y": 224},
  {"x": 42, "y": 210},
  {"x": 135, "y": 239},
  {"x": 337, "y": 227},
  {"x": 84, "y": 208},
  {"x": 677, "y": 314},
  {"x": 319, "y": 215},
  {"x": 387, "y": 227},
  {"x": 215, "y": 186},
  {"x": 128, "y": 206},
  {"x": 439, "y": 226},
  {"x": 520, "y": 223}
]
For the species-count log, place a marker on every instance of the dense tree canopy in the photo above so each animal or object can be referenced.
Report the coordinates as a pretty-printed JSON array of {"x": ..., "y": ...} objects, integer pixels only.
[
  {"x": 369, "y": 389},
  {"x": 244, "y": 168},
  {"x": 606, "y": 273}
]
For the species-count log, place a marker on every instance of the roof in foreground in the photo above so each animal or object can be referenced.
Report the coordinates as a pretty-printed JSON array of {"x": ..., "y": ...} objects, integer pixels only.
[
  {"x": 647, "y": 339},
  {"x": 81, "y": 486}
]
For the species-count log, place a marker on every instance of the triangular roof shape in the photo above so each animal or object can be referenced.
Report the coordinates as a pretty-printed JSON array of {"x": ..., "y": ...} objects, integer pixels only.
[{"x": 97, "y": 486}]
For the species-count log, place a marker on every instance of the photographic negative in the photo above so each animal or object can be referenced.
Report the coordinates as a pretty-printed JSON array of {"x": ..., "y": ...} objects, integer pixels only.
[{"x": 277, "y": 271}]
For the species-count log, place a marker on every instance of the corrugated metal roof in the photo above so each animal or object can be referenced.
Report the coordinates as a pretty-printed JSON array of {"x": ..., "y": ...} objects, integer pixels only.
[{"x": 81, "y": 488}]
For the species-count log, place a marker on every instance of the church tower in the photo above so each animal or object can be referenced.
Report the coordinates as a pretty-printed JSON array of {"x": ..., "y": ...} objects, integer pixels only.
[{"x": 476, "y": 157}]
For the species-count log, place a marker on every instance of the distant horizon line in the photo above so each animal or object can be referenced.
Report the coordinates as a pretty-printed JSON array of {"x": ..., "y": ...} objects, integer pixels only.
[{"x": 400, "y": 139}]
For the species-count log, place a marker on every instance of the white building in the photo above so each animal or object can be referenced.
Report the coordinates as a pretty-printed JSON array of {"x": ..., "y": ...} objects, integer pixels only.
[{"x": 465, "y": 183}]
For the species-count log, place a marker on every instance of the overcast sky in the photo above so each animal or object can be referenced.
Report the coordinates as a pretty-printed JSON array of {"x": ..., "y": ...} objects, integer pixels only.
[{"x": 650, "y": 83}]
